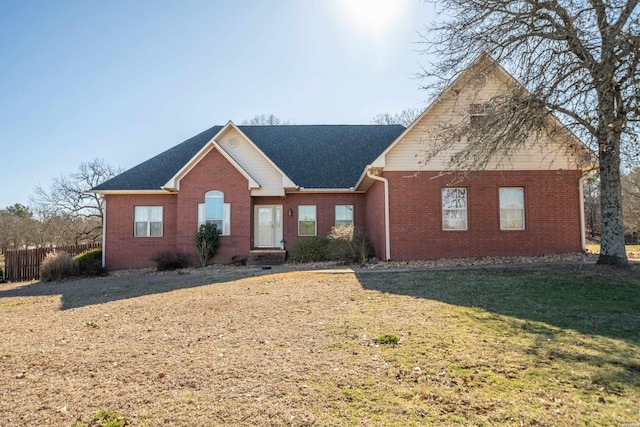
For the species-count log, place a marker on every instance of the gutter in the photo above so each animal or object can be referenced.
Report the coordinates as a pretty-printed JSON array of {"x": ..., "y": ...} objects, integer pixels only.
[
  {"x": 387, "y": 238},
  {"x": 104, "y": 231}
]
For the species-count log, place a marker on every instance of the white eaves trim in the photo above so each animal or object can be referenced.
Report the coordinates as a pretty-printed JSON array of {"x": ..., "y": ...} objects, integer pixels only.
[{"x": 174, "y": 183}]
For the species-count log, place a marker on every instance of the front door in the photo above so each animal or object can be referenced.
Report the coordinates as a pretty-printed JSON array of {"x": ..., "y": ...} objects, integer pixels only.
[{"x": 268, "y": 226}]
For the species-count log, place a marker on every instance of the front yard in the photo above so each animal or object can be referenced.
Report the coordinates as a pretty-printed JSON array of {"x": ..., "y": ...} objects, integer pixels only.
[{"x": 544, "y": 346}]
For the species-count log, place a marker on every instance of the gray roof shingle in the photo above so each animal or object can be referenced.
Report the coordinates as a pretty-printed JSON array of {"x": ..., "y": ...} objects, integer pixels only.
[{"x": 313, "y": 156}]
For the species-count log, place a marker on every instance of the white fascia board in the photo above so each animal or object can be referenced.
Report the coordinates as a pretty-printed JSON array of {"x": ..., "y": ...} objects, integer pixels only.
[
  {"x": 174, "y": 182},
  {"x": 286, "y": 181}
]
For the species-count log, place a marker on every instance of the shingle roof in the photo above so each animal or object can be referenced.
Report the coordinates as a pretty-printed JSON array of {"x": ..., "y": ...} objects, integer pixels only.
[{"x": 313, "y": 156}]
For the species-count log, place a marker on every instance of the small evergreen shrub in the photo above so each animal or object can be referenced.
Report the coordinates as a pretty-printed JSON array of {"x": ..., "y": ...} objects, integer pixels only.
[
  {"x": 349, "y": 245},
  {"x": 90, "y": 263},
  {"x": 207, "y": 242},
  {"x": 309, "y": 250},
  {"x": 57, "y": 266},
  {"x": 168, "y": 260}
]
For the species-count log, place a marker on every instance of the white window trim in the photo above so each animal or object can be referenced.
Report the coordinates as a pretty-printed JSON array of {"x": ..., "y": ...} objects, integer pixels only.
[
  {"x": 335, "y": 223},
  {"x": 226, "y": 215},
  {"x": 466, "y": 214},
  {"x": 315, "y": 221},
  {"x": 148, "y": 221},
  {"x": 524, "y": 224}
]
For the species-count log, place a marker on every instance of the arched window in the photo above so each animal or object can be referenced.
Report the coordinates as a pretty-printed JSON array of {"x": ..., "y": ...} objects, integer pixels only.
[{"x": 215, "y": 211}]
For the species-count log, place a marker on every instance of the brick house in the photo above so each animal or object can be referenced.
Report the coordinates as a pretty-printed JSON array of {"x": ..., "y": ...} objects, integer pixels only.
[{"x": 264, "y": 185}]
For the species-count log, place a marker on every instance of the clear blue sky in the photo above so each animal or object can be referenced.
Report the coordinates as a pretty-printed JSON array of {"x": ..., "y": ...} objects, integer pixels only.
[{"x": 124, "y": 80}]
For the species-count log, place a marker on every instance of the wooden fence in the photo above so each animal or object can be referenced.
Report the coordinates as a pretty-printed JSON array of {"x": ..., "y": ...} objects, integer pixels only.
[{"x": 24, "y": 264}]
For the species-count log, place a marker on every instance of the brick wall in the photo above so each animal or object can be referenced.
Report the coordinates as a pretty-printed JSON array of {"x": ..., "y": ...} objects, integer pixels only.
[
  {"x": 122, "y": 249},
  {"x": 375, "y": 218},
  {"x": 552, "y": 215},
  {"x": 325, "y": 211},
  {"x": 214, "y": 172}
]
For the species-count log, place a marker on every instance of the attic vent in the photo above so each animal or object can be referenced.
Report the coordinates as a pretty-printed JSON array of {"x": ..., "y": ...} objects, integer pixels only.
[{"x": 233, "y": 142}]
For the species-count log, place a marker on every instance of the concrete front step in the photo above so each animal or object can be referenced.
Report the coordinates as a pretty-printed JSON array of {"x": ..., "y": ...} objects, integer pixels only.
[{"x": 267, "y": 257}]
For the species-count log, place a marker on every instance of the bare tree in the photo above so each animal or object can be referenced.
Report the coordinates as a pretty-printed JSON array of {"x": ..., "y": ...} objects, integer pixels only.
[
  {"x": 265, "y": 120},
  {"x": 67, "y": 199},
  {"x": 631, "y": 197},
  {"x": 592, "y": 205},
  {"x": 404, "y": 118},
  {"x": 578, "y": 59}
]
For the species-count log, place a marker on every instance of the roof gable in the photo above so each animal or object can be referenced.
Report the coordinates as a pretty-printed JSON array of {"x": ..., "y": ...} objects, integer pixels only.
[{"x": 568, "y": 152}]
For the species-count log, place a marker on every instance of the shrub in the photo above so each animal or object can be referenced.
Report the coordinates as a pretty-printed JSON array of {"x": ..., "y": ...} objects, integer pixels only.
[
  {"x": 207, "y": 241},
  {"x": 57, "y": 266},
  {"x": 89, "y": 263},
  {"x": 309, "y": 250},
  {"x": 168, "y": 260},
  {"x": 349, "y": 245}
]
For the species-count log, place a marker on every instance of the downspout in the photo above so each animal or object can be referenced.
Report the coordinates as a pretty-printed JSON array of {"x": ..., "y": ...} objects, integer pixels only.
[
  {"x": 387, "y": 238},
  {"x": 104, "y": 230},
  {"x": 583, "y": 229}
]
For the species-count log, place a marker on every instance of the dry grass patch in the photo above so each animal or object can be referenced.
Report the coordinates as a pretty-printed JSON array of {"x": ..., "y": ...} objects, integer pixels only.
[{"x": 242, "y": 346}]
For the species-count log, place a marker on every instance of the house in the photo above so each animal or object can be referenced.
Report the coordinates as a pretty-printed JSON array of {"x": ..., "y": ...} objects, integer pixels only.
[{"x": 263, "y": 185}]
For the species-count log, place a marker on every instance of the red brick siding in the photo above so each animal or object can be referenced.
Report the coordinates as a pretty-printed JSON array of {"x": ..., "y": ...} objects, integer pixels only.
[
  {"x": 552, "y": 215},
  {"x": 375, "y": 218},
  {"x": 214, "y": 172},
  {"x": 122, "y": 249},
  {"x": 325, "y": 211}
]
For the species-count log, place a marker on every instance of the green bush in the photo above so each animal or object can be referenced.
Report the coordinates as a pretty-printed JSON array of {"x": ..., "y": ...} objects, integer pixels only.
[
  {"x": 207, "y": 242},
  {"x": 309, "y": 250},
  {"x": 168, "y": 260},
  {"x": 349, "y": 245},
  {"x": 57, "y": 266},
  {"x": 89, "y": 263}
]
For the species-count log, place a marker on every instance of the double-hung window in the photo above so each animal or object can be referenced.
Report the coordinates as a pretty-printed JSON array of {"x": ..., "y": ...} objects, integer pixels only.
[
  {"x": 215, "y": 211},
  {"x": 344, "y": 215},
  {"x": 512, "y": 208},
  {"x": 148, "y": 221},
  {"x": 454, "y": 208},
  {"x": 307, "y": 220}
]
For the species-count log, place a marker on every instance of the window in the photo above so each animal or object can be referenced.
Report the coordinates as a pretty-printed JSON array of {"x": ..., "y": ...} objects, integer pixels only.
[
  {"x": 307, "y": 220},
  {"x": 478, "y": 113},
  {"x": 344, "y": 215},
  {"x": 148, "y": 221},
  {"x": 454, "y": 208},
  {"x": 512, "y": 208},
  {"x": 215, "y": 211}
]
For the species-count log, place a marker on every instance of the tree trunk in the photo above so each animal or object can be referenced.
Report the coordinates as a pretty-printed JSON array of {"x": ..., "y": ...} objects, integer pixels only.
[{"x": 612, "y": 250}]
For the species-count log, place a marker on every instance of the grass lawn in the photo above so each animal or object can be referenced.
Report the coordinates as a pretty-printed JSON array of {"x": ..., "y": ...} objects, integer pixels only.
[
  {"x": 594, "y": 248},
  {"x": 552, "y": 346}
]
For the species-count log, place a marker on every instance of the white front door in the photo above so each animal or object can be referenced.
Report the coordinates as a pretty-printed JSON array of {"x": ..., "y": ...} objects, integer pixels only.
[{"x": 268, "y": 226}]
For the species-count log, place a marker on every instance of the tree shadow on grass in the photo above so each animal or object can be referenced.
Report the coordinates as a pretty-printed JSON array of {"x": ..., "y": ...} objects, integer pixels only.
[
  {"x": 591, "y": 300},
  {"x": 123, "y": 285},
  {"x": 563, "y": 310}
]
